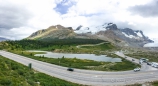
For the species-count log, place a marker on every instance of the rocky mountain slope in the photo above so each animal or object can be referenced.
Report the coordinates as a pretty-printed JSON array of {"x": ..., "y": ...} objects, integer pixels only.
[
  {"x": 53, "y": 32},
  {"x": 108, "y": 32},
  {"x": 120, "y": 37}
]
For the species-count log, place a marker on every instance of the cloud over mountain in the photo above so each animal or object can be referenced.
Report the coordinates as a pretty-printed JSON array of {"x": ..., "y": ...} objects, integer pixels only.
[
  {"x": 146, "y": 10},
  {"x": 19, "y": 18}
]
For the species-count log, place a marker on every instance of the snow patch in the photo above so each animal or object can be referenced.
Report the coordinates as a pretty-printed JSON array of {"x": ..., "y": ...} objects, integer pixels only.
[
  {"x": 101, "y": 28},
  {"x": 139, "y": 34},
  {"x": 129, "y": 36},
  {"x": 93, "y": 29}
]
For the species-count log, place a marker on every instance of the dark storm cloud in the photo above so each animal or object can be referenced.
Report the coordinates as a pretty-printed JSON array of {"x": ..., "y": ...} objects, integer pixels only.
[
  {"x": 13, "y": 16},
  {"x": 147, "y": 10}
]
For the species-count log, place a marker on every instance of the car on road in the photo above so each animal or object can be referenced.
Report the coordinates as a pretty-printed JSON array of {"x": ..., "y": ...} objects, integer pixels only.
[
  {"x": 154, "y": 64},
  {"x": 144, "y": 60},
  {"x": 136, "y": 69},
  {"x": 70, "y": 69},
  {"x": 149, "y": 63},
  {"x": 133, "y": 60}
]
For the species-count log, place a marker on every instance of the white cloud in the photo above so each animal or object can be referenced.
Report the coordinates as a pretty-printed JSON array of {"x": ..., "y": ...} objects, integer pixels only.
[
  {"x": 83, "y": 12},
  {"x": 17, "y": 33},
  {"x": 151, "y": 45}
]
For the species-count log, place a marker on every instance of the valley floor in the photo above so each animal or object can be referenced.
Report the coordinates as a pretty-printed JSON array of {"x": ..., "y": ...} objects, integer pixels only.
[{"x": 85, "y": 76}]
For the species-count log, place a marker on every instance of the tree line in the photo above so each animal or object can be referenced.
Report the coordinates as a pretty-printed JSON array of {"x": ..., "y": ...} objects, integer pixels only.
[{"x": 38, "y": 44}]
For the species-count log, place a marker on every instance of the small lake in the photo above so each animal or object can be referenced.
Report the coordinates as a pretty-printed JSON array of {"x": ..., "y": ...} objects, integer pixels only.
[{"x": 79, "y": 56}]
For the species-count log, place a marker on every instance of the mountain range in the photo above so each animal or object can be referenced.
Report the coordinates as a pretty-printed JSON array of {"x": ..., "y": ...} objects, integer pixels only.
[
  {"x": 108, "y": 32},
  {"x": 3, "y": 39}
]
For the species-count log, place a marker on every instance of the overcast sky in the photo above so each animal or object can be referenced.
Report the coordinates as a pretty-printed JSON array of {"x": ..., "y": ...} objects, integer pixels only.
[{"x": 20, "y": 18}]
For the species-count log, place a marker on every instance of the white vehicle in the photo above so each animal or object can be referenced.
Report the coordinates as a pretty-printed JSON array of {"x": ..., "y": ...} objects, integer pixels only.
[
  {"x": 154, "y": 64},
  {"x": 144, "y": 60},
  {"x": 136, "y": 69}
]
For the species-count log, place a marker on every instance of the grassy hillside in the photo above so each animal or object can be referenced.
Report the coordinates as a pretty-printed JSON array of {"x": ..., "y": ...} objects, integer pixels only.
[
  {"x": 47, "y": 45},
  {"x": 15, "y": 74},
  {"x": 60, "y": 45}
]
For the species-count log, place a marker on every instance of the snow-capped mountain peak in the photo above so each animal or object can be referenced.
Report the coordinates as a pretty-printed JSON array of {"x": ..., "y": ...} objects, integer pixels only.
[
  {"x": 109, "y": 31},
  {"x": 138, "y": 34},
  {"x": 130, "y": 36},
  {"x": 101, "y": 27},
  {"x": 81, "y": 29}
]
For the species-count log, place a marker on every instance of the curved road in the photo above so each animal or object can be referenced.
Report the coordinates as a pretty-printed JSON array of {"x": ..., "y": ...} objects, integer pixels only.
[
  {"x": 144, "y": 66},
  {"x": 79, "y": 46},
  {"x": 88, "y": 77}
]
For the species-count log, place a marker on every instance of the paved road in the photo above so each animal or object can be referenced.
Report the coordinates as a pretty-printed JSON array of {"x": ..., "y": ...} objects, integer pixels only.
[
  {"x": 79, "y": 46},
  {"x": 144, "y": 66},
  {"x": 87, "y": 77}
]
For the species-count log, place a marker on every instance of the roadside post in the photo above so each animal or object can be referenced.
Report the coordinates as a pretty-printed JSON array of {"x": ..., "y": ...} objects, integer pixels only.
[{"x": 30, "y": 65}]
